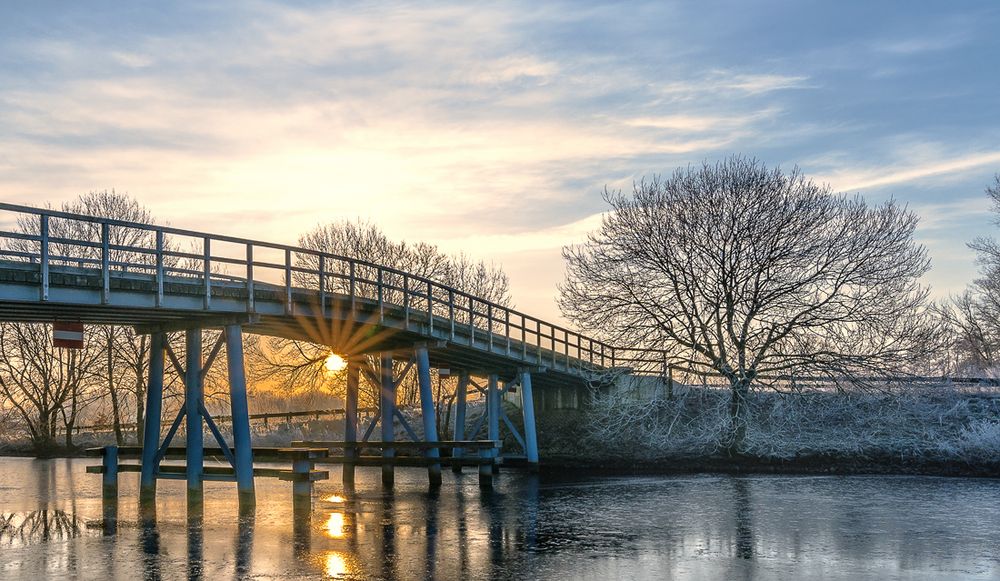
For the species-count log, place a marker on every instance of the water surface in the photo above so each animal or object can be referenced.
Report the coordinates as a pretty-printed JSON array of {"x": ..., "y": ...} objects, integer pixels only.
[{"x": 53, "y": 525}]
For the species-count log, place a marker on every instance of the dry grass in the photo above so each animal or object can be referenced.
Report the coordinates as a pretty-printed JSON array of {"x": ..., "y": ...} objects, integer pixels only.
[{"x": 938, "y": 424}]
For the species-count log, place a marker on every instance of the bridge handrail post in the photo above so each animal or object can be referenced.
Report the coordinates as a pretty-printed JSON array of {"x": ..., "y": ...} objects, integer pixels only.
[
  {"x": 552, "y": 338},
  {"x": 353, "y": 290},
  {"x": 250, "y": 297},
  {"x": 506, "y": 332},
  {"x": 451, "y": 311},
  {"x": 406, "y": 301},
  {"x": 381, "y": 301},
  {"x": 489, "y": 324},
  {"x": 206, "y": 263},
  {"x": 288, "y": 281},
  {"x": 159, "y": 268},
  {"x": 105, "y": 263},
  {"x": 322, "y": 284},
  {"x": 524, "y": 339},
  {"x": 43, "y": 259},
  {"x": 430, "y": 306},
  {"x": 472, "y": 325},
  {"x": 538, "y": 339}
]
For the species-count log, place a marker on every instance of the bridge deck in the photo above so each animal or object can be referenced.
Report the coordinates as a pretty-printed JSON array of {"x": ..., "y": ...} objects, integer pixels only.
[{"x": 60, "y": 266}]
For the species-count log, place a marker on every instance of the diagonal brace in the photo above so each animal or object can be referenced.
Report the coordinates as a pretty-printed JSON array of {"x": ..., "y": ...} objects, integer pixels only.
[
  {"x": 173, "y": 360},
  {"x": 218, "y": 435},
  {"x": 170, "y": 435},
  {"x": 405, "y": 424},
  {"x": 211, "y": 356}
]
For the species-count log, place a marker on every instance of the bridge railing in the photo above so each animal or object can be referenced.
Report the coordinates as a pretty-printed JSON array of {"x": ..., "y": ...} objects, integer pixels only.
[{"x": 48, "y": 238}]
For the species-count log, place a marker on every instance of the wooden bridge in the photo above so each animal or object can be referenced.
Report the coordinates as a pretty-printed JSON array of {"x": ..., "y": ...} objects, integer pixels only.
[{"x": 61, "y": 267}]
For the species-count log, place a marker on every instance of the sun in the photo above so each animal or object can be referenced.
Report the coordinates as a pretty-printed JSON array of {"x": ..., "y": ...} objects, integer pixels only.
[{"x": 335, "y": 363}]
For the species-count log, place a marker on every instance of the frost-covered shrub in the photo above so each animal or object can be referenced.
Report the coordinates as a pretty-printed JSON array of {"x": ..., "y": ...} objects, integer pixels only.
[
  {"x": 980, "y": 442},
  {"x": 688, "y": 425},
  {"x": 909, "y": 424}
]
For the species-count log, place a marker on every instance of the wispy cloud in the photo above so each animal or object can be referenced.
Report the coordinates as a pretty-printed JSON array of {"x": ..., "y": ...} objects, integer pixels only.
[
  {"x": 554, "y": 237},
  {"x": 851, "y": 179},
  {"x": 951, "y": 215}
]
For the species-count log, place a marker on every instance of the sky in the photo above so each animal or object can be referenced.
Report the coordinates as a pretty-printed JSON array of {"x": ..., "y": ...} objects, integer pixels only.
[{"x": 494, "y": 128}]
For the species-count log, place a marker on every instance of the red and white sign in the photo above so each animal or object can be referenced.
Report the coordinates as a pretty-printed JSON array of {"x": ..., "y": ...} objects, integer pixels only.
[{"x": 67, "y": 335}]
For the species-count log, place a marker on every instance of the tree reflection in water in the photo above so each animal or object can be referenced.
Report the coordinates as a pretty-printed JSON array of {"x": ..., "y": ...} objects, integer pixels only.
[
  {"x": 744, "y": 523},
  {"x": 20, "y": 529}
]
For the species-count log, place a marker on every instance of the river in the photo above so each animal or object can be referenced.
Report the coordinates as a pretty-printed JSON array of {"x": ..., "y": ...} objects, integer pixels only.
[{"x": 52, "y": 525}]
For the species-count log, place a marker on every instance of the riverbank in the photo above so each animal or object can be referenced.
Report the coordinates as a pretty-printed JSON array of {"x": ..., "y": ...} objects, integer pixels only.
[
  {"x": 933, "y": 432},
  {"x": 939, "y": 433},
  {"x": 731, "y": 465},
  {"x": 806, "y": 465}
]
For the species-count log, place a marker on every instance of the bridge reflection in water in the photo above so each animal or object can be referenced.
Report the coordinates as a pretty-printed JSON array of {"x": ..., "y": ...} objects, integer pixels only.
[
  {"x": 693, "y": 527},
  {"x": 368, "y": 532}
]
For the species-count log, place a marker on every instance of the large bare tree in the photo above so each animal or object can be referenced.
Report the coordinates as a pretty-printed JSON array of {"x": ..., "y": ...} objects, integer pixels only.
[
  {"x": 974, "y": 316},
  {"x": 751, "y": 273}
]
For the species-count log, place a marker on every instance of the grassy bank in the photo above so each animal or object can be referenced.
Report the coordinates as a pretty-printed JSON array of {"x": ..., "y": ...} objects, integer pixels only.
[{"x": 937, "y": 431}]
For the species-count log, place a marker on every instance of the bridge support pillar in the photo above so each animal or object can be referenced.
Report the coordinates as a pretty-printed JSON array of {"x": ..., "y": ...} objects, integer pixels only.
[
  {"x": 387, "y": 408},
  {"x": 428, "y": 413},
  {"x": 461, "y": 394},
  {"x": 351, "y": 419},
  {"x": 151, "y": 421},
  {"x": 193, "y": 402},
  {"x": 493, "y": 415},
  {"x": 240, "y": 414},
  {"x": 528, "y": 415}
]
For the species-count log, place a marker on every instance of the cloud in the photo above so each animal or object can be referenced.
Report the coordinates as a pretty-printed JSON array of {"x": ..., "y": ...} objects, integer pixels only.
[
  {"x": 487, "y": 128},
  {"x": 904, "y": 172},
  {"x": 951, "y": 215},
  {"x": 721, "y": 80},
  {"x": 703, "y": 123},
  {"x": 352, "y": 111},
  {"x": 554, "y": 237}
]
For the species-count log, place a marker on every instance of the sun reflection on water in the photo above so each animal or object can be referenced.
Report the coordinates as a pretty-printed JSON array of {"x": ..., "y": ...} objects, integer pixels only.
[
  {"x": 335, "y": 525},
  {"x": 336, "y": 565}
]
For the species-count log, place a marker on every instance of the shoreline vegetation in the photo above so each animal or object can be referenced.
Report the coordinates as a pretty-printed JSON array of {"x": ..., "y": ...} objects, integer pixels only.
[
  {"x": 936, "y": 431},
  {"x": 933, "y": 431}
]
